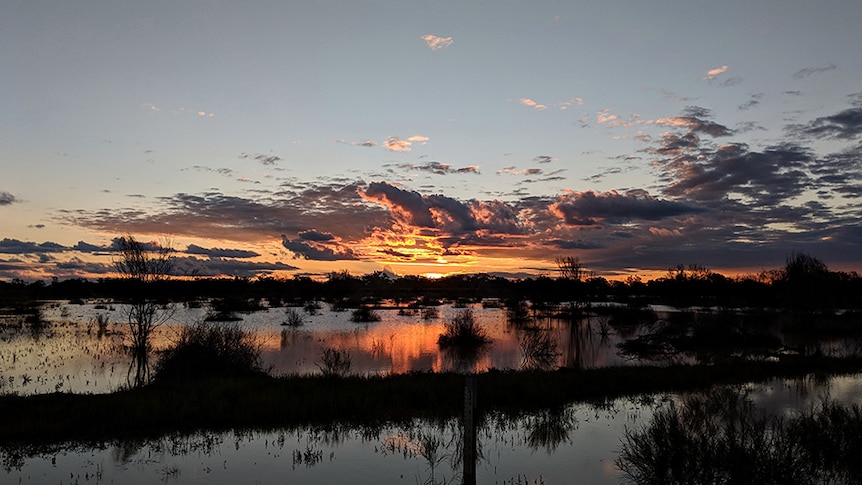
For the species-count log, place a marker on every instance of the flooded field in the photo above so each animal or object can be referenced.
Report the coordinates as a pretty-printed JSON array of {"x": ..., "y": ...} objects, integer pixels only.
[
  {"x": 83, "y": 348},
  {"x": 576, "y": 444},
  {"x": 69, "y": 352}
]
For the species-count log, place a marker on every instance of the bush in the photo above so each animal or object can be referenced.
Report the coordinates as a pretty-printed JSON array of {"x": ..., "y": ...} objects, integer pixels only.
[
  {"x": 462, "y": 330},
  {"x": 334, "y": 362},
  {"x": 292, "y": 318},
  {"x": 206, "y": 350},
  {"x": 364, "y": 314}
]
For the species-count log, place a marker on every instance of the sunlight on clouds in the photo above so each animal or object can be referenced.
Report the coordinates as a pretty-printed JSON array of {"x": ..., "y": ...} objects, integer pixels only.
[
  {"x": 533, "y": 104},
  {"x": 605, "y": 116},
  {"x": 710, "y": 75},
  {"x": 436, "y": 43},
  {"x": 395, "y": 144},
  {"x": 663, "y": 232}
]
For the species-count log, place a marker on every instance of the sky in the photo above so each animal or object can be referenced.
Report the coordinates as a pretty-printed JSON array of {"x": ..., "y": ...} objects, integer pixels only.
[{"x": 304, "y": 137}]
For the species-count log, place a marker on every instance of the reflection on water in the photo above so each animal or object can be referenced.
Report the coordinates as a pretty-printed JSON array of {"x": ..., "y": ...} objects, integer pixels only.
[
  {"x": 84, "y": 348},
  {"x": 579, "y": 443}
]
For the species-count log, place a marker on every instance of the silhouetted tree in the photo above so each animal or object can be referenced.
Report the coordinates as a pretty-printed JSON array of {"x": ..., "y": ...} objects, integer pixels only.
[{"x": 143, "y": 264}]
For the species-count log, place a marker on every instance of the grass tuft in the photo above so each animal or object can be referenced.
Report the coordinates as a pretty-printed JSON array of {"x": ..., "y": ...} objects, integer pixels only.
[
  {"x": 210, "y": 350},
  {"x": 463, "y": 331}
]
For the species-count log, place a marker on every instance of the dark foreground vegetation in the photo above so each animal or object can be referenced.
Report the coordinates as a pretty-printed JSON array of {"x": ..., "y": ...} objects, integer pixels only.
[
  {"x": 720, "y": 437},
  {"x": 252, "y": 399}
]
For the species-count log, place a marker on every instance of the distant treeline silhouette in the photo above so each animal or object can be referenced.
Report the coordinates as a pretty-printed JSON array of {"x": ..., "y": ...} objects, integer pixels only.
[{"x": 804, "y": 284}]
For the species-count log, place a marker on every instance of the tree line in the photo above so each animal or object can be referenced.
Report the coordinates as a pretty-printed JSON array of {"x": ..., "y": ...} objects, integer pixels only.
[{"x": 804, "y": 283}]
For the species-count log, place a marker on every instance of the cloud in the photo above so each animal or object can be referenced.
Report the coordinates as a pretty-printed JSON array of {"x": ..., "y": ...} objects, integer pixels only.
[
  {"x": 364, "y": 143},
  {"x": 215, "y": 266},
  {"x": 438, "y": 168},
  {"x": 753, "y": 101},
  {"x": 394, "y": 144},
  {"x": 436, "y": 43},
  {"x": 14, "y": 246},
  {"x": 605, "y": 116},
  {"x": 533, "y": 104},
  {"x": 448, "y": 215},
  {"x": 808, "y": 71},
  {"x": 590, "y": 208},
  {"x": 697, "y": 120},
  {"x": 514, "y": 171},
  {"x": 7, "y": 199},
  {"x": 314, "y": 235},
  {"x": 220, "y": 252},
  {"x": 418, "y": 139},
  {"x": 543, "y": 159},
  {"x": 318, "y": 251},
  {"x": 712, "y": 73},
  {"x": 845, "y": 125},
  {"x": 213, "y": 215},
  {"x": 264, "y": 159}
]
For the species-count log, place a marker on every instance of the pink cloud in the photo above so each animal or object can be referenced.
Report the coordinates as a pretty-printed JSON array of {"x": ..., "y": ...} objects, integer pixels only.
[{"x": 436, "y": 43}]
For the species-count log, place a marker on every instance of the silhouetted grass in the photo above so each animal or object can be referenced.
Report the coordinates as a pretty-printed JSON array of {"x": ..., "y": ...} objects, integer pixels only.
[
  {"x": 364, "y": 314},
  {"x": 334, "y": 362},
  {"x": 256, "y": 400},
  {"x": 210, "y": 350},
  {"x": 720, "y": 437},
  {"x": 462, "y": 330}
]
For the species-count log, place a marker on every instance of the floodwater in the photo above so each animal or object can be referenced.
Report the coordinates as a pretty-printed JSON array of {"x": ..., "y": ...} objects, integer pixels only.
[
  {"x": 576, "y": 444},
  {"x": 70, "y": 354}
]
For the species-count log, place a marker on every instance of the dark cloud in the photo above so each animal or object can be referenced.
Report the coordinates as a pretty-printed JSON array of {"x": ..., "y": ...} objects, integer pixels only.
[
  {"x": 397, "y": 254},
  {"x": 317, "y": 251},
  {"x": 591, "y": 208},
  {"x": 85, "y": 247},
  {"x": 226, "y": 267},
  {"x": 442, "y": 212},
  {"x": 845, "y": 125},
  {"x": 574, "y": 244},
  {"x": 767, "y": 177},
  {"x": 697, "y": 120},
  {"x": 264, "y": 159},
  {"x": 803, "y": 73},
  {"x": 220, "y": 252},
  {"x": 748, "y": 126},
  {"x": 438, "y": 168},
  {"x": 14, "y": 246},
  {"x": 543, "y": 159},
  {"x": 753, "y": 101},
  {"x": 213, "y": 215},
  {"x": 313, "y": 235},
  {"x": 6, "y": 198}
]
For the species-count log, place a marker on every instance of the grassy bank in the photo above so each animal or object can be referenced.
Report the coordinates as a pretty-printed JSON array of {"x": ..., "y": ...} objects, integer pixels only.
[{"x": 259, "y": 401}]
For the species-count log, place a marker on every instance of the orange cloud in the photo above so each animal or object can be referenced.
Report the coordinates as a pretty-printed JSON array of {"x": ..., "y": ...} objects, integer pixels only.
[
  {"x": 395, "y": 144},
  {"x": 710, "y": 75},
  {"x": 436, "y": 43},
  {"x": 533, "y": 104}
]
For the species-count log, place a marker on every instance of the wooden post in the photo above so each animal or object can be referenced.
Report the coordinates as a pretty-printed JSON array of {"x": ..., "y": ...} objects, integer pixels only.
[{"x": 469, "y": 431}]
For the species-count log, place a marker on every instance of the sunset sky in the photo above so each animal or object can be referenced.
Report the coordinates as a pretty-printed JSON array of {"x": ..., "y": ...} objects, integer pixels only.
[{"x": 303, "y": 137}]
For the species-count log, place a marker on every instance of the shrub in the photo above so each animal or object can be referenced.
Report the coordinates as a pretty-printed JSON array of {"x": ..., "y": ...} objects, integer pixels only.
[
  {"x": 292, "y": 318},
  {"x": 539, "y": 348},
  {"x": 206, "y": 350},
  {"x": 334, "y": 362},
  {"x": 462, "y": 330},
  {"x": 365, "y": 314}
]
